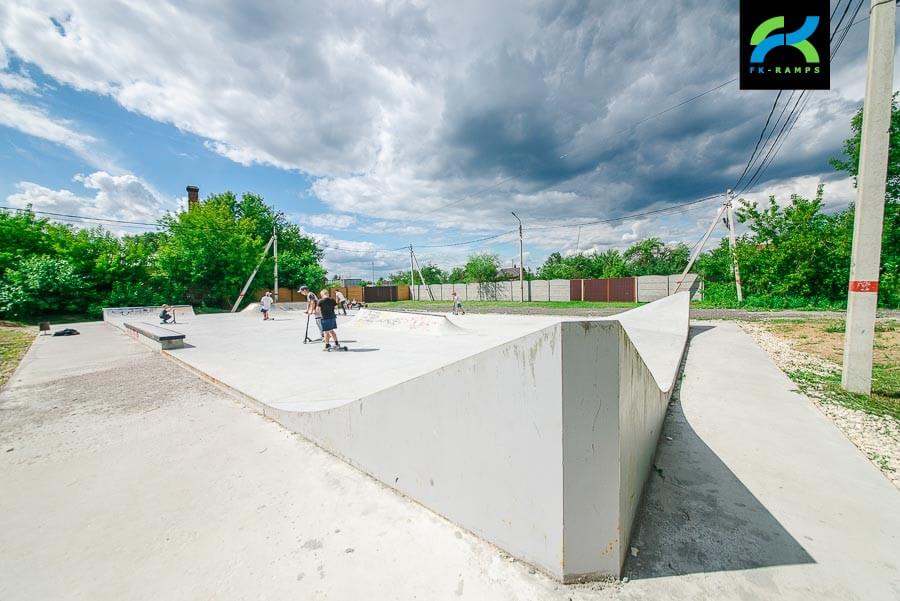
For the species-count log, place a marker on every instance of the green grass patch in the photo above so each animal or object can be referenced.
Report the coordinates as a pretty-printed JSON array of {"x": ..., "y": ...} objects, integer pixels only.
[
  {"x": 14, "y": 341},
  {"x": 447, "y": 305},
  {"x": 839, "y": 327},
  {"x": 885, "y": 398}
]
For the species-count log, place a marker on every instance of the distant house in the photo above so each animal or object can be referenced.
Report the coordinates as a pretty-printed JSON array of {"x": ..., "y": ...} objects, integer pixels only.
[
  {"x": 509, "y": 273},
  {"x": 347, "y": 282}
]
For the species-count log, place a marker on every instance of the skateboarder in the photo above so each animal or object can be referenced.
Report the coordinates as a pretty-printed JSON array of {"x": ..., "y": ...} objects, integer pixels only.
[
  {"x": 265, "y": 304},
  {"x": 329, "y": 322},
  {"x": 457, "y": 304},
  {"x": 165, "y": 316}
]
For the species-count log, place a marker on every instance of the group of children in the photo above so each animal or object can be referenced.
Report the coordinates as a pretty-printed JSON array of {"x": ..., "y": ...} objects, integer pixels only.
[{"x": 323, "y": 308}]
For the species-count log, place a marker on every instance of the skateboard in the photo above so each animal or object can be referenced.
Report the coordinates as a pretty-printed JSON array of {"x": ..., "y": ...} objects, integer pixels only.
[{"x": 336, "y": 348}]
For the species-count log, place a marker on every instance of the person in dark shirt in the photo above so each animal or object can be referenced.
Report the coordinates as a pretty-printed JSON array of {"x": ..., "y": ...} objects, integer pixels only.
[{"x": 327, "y": 306}]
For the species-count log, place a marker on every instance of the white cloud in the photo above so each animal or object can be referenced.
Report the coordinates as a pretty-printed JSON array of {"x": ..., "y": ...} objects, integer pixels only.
[
  {"x": 123, "y": 197},
  {"x": 328, "y": 221},
  {"x": 17, "y": 82},
  {"x": 37, "y": 122},
  {"x": 440, "y": 118}
]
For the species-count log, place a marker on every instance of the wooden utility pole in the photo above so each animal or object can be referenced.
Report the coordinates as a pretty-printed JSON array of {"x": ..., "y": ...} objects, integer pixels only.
[
  {"x": 729, "y": 200},
  {"x": 862, "y": 295}
]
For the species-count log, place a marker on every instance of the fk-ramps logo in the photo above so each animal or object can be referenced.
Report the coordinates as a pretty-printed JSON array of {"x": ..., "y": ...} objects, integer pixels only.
[{"x": 785, "y": 45}]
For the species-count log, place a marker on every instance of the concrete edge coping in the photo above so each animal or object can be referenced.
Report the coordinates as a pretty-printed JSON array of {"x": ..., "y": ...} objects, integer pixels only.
[{"x": 154, "y": 332}]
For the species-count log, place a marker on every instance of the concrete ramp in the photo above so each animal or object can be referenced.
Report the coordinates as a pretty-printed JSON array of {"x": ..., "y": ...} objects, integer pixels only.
[
  {"x": 407, "y": 321},
  {"x": 117, "y": 316},
  {"x": 535, "y": 432}
]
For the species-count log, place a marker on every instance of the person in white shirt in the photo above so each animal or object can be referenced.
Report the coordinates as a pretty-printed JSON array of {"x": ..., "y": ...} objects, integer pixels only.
[
  {"x": 341, "y": 300},
  {"x": 265, "y": 304}
]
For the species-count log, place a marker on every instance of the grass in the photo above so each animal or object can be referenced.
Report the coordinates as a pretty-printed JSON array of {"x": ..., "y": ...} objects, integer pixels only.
[
  {"x": 446, "y": 305},
  {"x": 14, "y": 341},
  {"x": 885, "y": 398},
  {"x": 824, "y": 338}
]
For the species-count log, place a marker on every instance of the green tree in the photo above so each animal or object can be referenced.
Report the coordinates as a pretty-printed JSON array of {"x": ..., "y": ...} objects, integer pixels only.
[
  {"x": 889, "y": 289},
  {"x": 653, "y": 257},
  {"x": 211, "y": 250},
  {"x": 41, "y": 285},
  {"x": 483, "y": 267},
  {"x": 457, "y": 275}
]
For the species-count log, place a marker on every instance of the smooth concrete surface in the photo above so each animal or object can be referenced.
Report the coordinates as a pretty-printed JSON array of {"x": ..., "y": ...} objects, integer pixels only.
[
  {"x": 126, "y": 478},
  {"x": 486, "y": 419},
  {"x": 755, "y": 494}
]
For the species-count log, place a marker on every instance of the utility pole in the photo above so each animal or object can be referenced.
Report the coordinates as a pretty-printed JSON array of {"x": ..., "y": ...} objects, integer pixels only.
[
  {"x": 253, "y": 275},
  {"x": 412, "y": 272},
  {"x": 373, "y": 273},
  {"x": 862, "y": 296},
  {"x": 275, "y": 238},
  {"x": 729, "y": 200},
  {"x": 521, "y": 261},
  {"x": 699, "y": 249}
]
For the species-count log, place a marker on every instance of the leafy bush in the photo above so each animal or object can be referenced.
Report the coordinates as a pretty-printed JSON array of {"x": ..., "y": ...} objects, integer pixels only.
[{"x": 42, "y": 285}]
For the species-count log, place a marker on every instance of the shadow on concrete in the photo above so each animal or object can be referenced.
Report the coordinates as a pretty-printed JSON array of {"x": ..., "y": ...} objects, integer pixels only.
[
  {"x": 697, "y": 516},
  {"x": 362, "y": 350}
]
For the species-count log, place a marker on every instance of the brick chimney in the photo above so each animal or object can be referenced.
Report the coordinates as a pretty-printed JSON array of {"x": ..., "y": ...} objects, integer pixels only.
[{"x": 193, "y": 196}]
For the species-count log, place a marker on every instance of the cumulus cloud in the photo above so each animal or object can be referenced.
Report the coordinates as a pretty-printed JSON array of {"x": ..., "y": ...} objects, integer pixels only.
[
  {"x": 328, "y": 221},
  {"x": 35, "y": 121},
  {"x": 439, "y": 118},
  {"x": 123, "y": 197}
]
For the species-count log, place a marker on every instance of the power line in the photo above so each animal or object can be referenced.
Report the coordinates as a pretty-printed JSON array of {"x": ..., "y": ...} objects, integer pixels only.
[
  {"x": 794, "y": 114},
  {"x": 85, "y": 217},
  {"x": 674, "y": 208}
]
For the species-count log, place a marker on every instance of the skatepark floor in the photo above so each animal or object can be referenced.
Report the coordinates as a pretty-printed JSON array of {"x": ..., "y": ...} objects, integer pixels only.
[{"x": 126, "y": 476}]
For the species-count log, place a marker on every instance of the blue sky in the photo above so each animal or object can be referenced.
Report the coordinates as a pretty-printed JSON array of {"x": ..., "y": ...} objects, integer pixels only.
[{"x": 377, "y": 125}]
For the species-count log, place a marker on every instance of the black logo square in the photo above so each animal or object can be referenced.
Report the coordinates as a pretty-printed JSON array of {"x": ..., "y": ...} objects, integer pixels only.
[{"x": 785, "y": 45}]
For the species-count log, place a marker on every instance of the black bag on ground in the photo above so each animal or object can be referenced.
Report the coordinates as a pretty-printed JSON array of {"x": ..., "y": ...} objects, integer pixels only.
[{"x": 66, "y": 332}]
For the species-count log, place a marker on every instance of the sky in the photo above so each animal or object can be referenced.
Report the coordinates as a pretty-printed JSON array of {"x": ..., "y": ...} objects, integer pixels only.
[{"x": 376, "y": 125}]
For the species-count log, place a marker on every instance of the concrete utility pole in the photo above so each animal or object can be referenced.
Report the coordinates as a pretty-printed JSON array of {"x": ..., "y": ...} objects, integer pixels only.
[
  {"x": 275, "y": 250},
  {"x": 699, "y": 248},
  {"x": 862, "y": 298},
  {"x": 729, "y": 199},
  {"x": 412, "y": 272},
  {"x": 521, "y": 261}
]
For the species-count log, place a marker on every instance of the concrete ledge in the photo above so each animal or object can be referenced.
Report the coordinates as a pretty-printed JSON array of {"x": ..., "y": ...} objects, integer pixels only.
[{"x": 154, "y": 336}]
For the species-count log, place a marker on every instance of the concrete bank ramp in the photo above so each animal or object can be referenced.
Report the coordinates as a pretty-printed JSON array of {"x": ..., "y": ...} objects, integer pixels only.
[
  {"x": 117, "y": 316},
  {"x": 410, "y": 321},
  {"x": 540, "y": 444}
]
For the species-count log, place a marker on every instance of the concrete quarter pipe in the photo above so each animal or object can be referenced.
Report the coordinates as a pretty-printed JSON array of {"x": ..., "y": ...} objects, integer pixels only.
[{"x": 537, "y": 437}]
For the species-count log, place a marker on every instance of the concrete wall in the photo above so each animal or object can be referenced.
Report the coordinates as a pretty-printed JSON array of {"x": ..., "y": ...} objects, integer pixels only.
[
  {"x": 655, "y": 287},
  {"x": 649, "y": 289},
  {"x": 478, "y": 441},
  {"x": 535, "y": 290},
  {"x": 540, "y": 445}
]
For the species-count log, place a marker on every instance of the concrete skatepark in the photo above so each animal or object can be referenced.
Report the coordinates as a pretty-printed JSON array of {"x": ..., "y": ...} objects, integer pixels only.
[
  {"x": 126, "y": 477},
  {"x": 535, "y": 433}
]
